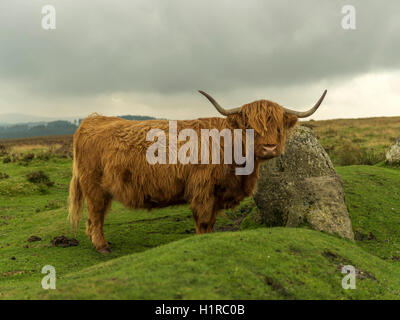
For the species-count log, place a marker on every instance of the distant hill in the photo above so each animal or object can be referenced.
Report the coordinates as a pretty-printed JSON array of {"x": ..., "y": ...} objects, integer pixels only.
[
  {"x": 16, "y": 118},
  {"x": 356, "y": 141},
  {"x": 129, "y": 117},
  {"x": 47, "y": 128}
]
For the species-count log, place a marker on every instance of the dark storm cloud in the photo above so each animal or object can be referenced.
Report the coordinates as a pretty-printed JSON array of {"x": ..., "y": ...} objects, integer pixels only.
[{"x": 171, "y": 47}]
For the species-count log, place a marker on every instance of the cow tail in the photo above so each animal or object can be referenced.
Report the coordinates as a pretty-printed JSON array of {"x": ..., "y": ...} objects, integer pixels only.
[{"x": 76, "y": 197}]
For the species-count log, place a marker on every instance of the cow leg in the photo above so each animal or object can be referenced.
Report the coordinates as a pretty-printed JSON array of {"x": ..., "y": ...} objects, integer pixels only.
[
  {"x": 205, "y": 226},
  {"x": 204, "y": 215},
  {"x": 97, "y": 209}
]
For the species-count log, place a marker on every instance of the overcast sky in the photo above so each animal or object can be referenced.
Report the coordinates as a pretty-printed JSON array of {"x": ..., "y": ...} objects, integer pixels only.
[{"x": 150, "y": 57}]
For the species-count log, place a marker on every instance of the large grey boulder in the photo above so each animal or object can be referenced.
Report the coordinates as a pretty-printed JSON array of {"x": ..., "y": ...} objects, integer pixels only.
[
  {"x": 393, "y": 154},
  {"x": 302, "y": 188}
]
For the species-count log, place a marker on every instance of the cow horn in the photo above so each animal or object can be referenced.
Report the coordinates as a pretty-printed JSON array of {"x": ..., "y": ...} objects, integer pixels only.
[
  {"x": 221, "y": 110},
  {"x": 304, "y": 114}
]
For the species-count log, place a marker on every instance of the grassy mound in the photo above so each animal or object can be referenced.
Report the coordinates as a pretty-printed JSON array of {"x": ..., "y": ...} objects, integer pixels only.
[
  {"x": 373, "y": 199},
  {"x": 278, "y": 263}
]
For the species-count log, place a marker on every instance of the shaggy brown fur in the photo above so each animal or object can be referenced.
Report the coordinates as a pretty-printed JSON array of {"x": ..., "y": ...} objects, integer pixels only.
[{"x": 110, "y": 164}]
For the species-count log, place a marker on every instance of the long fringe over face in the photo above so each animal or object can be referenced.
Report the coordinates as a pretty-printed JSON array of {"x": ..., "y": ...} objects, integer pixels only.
[{"x": 265, "y": 117}]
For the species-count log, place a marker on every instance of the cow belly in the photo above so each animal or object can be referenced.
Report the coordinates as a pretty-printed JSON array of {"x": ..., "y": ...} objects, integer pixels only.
[{"x": 145, "y": 192}]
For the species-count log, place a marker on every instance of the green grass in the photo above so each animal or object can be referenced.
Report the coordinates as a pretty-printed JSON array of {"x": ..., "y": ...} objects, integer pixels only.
[
  {"x": 373, "y": 199},
  {"x": 278, "y": 263},
  {"x": 156, "y": 254}
]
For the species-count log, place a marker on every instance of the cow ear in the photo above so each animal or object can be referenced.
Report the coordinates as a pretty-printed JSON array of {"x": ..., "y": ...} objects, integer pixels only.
[
  {"x": 236, "y": 121},
  {"x": 290, "y": 120}
]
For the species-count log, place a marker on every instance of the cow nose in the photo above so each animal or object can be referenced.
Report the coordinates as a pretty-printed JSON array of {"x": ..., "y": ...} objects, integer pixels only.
[{"x": 269, "y": 147}]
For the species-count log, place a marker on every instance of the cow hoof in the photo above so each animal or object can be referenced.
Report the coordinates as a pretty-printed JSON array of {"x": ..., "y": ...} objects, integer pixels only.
[{"x": 104, "y": 250}]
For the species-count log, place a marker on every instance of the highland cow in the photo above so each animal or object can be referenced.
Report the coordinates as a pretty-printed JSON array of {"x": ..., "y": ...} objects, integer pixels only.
[{"x": 110, "y": 164}]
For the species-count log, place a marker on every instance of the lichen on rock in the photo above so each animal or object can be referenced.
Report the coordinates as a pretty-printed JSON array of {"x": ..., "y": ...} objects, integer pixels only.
[{"x": 393, "y": 154}]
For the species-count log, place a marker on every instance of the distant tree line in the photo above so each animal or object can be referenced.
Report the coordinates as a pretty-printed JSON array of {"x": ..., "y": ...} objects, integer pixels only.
[{"x": 60, "y": 127}]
